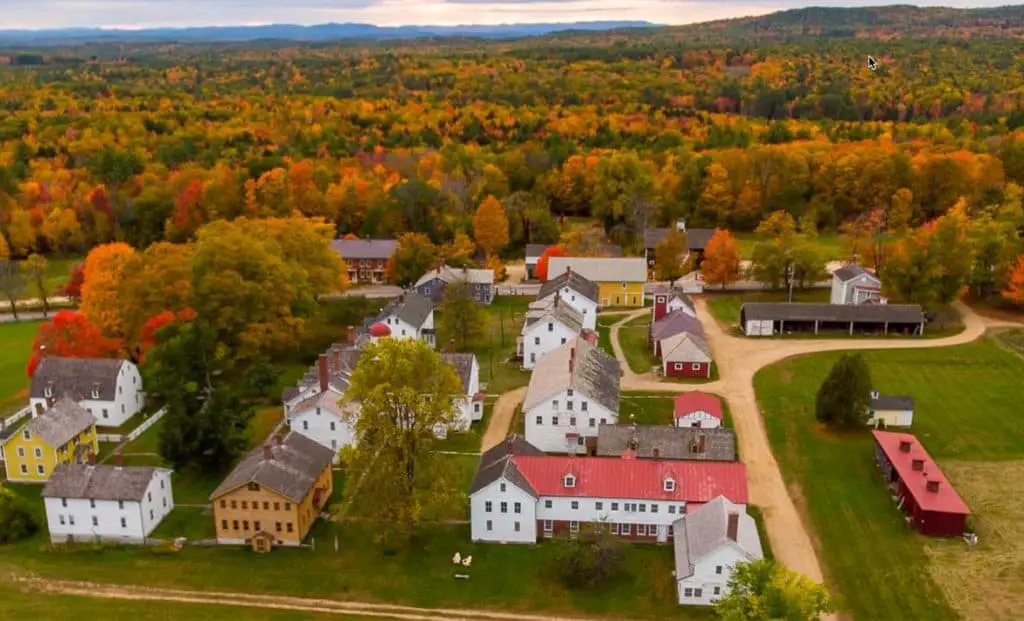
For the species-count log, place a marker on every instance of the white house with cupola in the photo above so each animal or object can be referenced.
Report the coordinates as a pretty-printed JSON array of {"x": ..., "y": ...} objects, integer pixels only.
[
  {"x": 573, "y": 390},
  {"x": 520, "y": 494}
]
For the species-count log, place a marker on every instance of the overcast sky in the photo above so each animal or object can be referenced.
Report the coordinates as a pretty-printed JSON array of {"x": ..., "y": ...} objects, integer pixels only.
[{"x": 178, "y": 13}]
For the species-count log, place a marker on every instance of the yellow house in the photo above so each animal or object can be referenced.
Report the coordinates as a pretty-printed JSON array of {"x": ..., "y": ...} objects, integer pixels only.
[
  {"x": 275, "y": 494},
  {"x": 64, "y": 434},
  {"x": 620, "y": 281}
]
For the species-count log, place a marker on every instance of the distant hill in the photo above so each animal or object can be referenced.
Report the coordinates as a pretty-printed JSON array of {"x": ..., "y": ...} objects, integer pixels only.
[{"x": 293, "y": 32}]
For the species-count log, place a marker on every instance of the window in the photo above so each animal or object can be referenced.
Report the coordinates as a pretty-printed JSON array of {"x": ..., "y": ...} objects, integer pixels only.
[
  {"x": 551, "y": 327},
  {"x": 517, "y": 507},
  {"x": 234, "y": 524},
  {"x": 105, "y": 415},
  {"x": 568, "y": 405},
  {"x": 678, "y": 366},
  {"x": 334, "y": 444},
  {"x": 554, "y": 420},
  {"x": 598, "y": 505},
  {"x": 223, "y": 524},
  {"x": 687, "y": 592},
  {"x": 569, "y": 480},
  {"x": 287, "y": 506},
  {"x": 671, "y": 508},
  {"x": 615, "y": 506},
  {"x": 24, "y": 469},
  {"x": 165, "y": 502},
  {"x": 563, "y": 340},
  {"x": 572, "y": 420},
  {"x": 21, "y": 450},
  {"x": 253, "y": 487},
  {"x": 554, "y": 404},
  {"x": 40, "y": 469},
  {"x": 654, "y": 508},
  {"x": 540, "y": 420},
  {"x": 502, "y": 487},
  {"x": 624, "y": 285},
  {"x": 615, "y": 528},
  {"x": 234, "y": 504},
  {"x": 547, "y": 504},
  {"x": 718, "y": 590},
  {"x": 277, "y": 526},
  {"x": 490, "y": 525},
  {"x": 245, "y": 505},
  {"x": 124, "y": 523},
  {"x": 266, "y": 505},
  {"x": 533, "y": 357},
  {"x": 575, "y": 504},
  {"x": 318, "y": 410},
  {"x": 289, "y": 527},
  {"x": 245, "y": 524},
  {"x": 698, "y": 592},
  {"x": 574, "y": 527},
  {"x": 583, "y": 406},
  {"x": 536, "y": 340},
  {"x": 548, "y": 526},
  {"x": 39, "y": 452},
  {"x": 695, "y": 367},
  {"x": 504, "y": 507},
  {"x": 718, "y": 570},
  {"x": 516, "y": 525},
  {"x": 569, "y": 392},
  {"x": 305, "y": 425},
  {"x": 593, "y": 422},
  {"x": 161, "y": 483},
  {"x": 61, "y": 520},
  {"x": 95, "y": 521},
  {"x": 256, "y": 526},
  {"x": 488, "y": 506},
  {"x": 64, "y": 502},
  {"x": 604, "y": 421},
  {"x": 277, "y": 506},
  {"x": 625, "y": 529},
  {"x": 25, "y": 434},
  {"x": 332, "y": 425},
  {"x": 669, "y": 485}
]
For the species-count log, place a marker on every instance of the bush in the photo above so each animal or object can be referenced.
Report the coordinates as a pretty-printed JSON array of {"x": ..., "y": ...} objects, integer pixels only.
[
  {"x": 16, "y": 518},
  {"x": 590, "y": 561}
]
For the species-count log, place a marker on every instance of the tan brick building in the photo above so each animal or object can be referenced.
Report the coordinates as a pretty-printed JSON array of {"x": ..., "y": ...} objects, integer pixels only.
[{"x": 275, "y": 494}]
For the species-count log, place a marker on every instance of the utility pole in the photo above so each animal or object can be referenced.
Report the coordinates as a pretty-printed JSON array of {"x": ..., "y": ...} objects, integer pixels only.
[
  {"x": 789, "y": 277},
  {"x": 501, "y": 318}
]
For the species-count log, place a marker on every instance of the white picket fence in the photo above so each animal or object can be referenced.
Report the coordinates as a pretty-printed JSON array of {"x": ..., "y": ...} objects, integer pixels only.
[{"x": 135, "y": 433}]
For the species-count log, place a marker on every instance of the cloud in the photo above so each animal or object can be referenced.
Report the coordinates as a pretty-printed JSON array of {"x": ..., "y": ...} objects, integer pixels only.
[{"x": 36, "y": 14}]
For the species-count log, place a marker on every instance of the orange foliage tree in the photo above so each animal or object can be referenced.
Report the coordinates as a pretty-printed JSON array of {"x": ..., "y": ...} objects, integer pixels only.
[
  {"x": 541, "y": 271},
  {"x": 1014, "y": 291},
  {"x": 104, "y": 271},
  {"x": 721, "y": 265},
  {"x": 70, "y": 335},
  {"x": 490, "y": 226}
]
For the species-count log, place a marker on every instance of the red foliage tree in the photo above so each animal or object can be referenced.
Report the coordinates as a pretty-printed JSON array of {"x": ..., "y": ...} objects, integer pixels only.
[
  {"x": 70, "y": 335},
  {"x": 76, "y": 277},
  {"x": 147, "y": 335},
  {"x": 541, "y": 270}
]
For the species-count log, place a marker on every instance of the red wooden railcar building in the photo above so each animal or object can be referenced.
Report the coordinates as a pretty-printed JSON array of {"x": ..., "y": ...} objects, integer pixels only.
[{"x": 924, "y": 493}]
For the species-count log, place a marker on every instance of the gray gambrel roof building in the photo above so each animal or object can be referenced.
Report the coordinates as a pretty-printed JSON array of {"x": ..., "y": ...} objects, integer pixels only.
[
  {"x": 100, "y": 482},
  {"x": 78, "y": 378}
]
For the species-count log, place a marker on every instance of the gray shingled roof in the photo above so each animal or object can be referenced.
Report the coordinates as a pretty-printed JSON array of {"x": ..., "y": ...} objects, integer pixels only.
[
  {"x": 685, "y": 347},
  {"x": 594, "y": 374},
  {"x": 672, "y": 442},
  {"x": 76, "y": 378},
  {"x": 562, "y": 313},
  {"x": 533, "y": 251},
  {"x": 884, "y": 403},
  {"x": 676, "y": 292},
  {"x": 341, "y": 362},
  {"x": 496, "y": 462},
  {"x": 796, "y": 311},
  {"x": 674, "y": 323},
  {"x": 463, "y": 364},
  {"x": 412, "y": 308},
  {"x": 576, "y": 282},
  {"x": 99, "y": 482},
  {"x": 703, "y": 531},
  {"x": 849, "y": 272},
  {"x": 355, "y": 249},
  {"x": 696, "y": 239},
  {"x": 58, "y": 425},
  {"x": 653, "y": 237},
  {"x": 449, "y": 275},
  {"x": 603, "y": 269},
  {"x": 291, "y": 471}
]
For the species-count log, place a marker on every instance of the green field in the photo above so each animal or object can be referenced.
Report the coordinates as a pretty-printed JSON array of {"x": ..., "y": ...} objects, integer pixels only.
[
  {"x": 497, "y": 348},
  {"x": 827, "y": 242},
  {"x": 633, "y": 340},
  {"x": 16, "y": 340},
  {"x": 656, "y": 408},
  {"x": 726, "y": 306},
  {"x": 966, "y": 412},
  {"x": 604, "y": 332}
]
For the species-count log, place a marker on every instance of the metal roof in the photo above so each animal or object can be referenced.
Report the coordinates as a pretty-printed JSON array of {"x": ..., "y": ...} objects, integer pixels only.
[
  {"x": 495, "y": 463},
  {"x": 76, "y": 378},
  {"x": 676, "y": 322},
  {"x": 696, "y": 401},
  {"x": 796, "y": 311},
  {"x": 99, "y": 482},
  {"x": 583, "y": 286},
  {"x": 892, "y": 403},
  {"x": 672, "y": 442},
  {"x": 602, "y": 269},
  {"x": 945, "y": 500},
  {"x": 354, "y": 249},
  {"x": 685, "y": 347},
  {"x": 849, "y": 272},
  {"x": 291, "y": 470}
]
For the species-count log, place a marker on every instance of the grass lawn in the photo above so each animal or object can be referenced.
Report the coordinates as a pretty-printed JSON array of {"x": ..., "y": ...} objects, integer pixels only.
[
  {"x": 497, "y": 348},
  {"x": 14, "y": 354},
  {"x": 469, "y": 441},
  {"x": 967, "y": 412},
  {"x": 263, "y": 422},
  {"x": 508, "y": 578},
  {"x": 656, "y": 408},
  {"x": 633, "y": 340},
  {"x": 726, "y": 306},
  {"x": 604, "y": 332},
  {"x": 827, "y": 242}
]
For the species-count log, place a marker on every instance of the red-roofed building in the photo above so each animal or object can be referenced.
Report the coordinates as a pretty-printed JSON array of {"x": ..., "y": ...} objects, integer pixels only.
[
  {"x": 698, "y": 409},
  {"x": 520, "y": 493},
  {"x": 922, "y": 491}
]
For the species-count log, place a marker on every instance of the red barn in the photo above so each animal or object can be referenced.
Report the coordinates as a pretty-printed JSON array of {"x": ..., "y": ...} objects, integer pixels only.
[{"x": 924, "y": 493}]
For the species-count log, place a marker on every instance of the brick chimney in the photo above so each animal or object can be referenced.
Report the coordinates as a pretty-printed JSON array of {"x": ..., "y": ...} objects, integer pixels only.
[
  {"x": 277, "y": 440},
  {"x": 656, "y": 453},
  {"x": 337, "y": 358},
  {"x": 568, "y": 270},
  {"x": 509, "y": 445},
  {"x": 701, "y": 438},
  {"x": 119, "y": 459},
  {"x": 91, "y": 458},
  {"x": 268, "y": 454},
  {"x": 323, "y": 372},
  {"x": 351, "y": 331},
  {"x": 732, "y": 529},
  {"x": 572, "y": 357}
]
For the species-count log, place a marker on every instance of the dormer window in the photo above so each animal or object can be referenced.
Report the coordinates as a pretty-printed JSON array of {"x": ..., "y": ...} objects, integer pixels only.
[
  {"x": 569, "y": 480},
  {"x": 669, "y": 485},
  {"x": 569, "y": 392},
  {"x": 48, "y": 392},
  {"x": 95, "y": 393}
]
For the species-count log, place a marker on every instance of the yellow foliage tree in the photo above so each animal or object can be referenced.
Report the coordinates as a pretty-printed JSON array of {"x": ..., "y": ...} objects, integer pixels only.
[
  {"x": 101, "y": 301},
  {"x": 721, "y": 264},
  {"x": 490, "y": 226}
]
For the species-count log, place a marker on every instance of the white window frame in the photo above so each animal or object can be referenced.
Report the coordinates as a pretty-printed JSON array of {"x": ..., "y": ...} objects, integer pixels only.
[
  {"x": 549, "y": 526},
  {"x": 695, "y": 366},
  {"x": 669, "y": 485},
  {"x": 678, "y": 366},
  {"x": 574, "y": 527},
  {"x": 569, "y": 480}
]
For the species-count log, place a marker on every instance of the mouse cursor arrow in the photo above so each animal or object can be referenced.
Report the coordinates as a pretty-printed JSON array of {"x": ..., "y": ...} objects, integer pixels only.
[{"x": 872, "y": 63}]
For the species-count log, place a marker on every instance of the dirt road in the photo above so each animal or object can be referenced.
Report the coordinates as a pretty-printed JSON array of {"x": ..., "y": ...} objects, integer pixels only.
[
  {"x": 501, "y": 418},
  {"x": 299, "y": 604},
  {"x": 738, "y": 360}
]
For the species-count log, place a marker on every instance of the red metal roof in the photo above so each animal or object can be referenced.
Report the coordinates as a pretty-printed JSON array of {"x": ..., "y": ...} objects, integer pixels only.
[
  {"x": 696, "y": 401},
  {"x": 946, "y": 500},
  {"x": 642, "y": 479}
]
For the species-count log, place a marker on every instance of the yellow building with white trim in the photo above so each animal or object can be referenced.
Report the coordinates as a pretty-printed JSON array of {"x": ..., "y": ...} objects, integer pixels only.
[
  {"x": 620, "y": 280},
  {"x": 63, "y": 434}
]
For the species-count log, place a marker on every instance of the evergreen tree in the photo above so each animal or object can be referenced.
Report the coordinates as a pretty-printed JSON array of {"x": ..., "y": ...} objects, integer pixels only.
[{"x": 844, "y": 397}]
